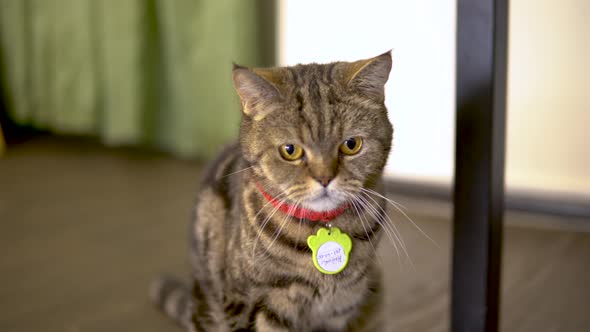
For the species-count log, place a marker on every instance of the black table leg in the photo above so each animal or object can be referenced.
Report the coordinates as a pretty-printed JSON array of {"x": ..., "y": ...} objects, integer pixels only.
[{"x": 482, "y": 27}]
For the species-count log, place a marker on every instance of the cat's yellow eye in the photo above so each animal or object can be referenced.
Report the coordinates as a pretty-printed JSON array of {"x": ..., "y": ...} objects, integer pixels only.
[
  {"x": 291, "y": 152},
  {"x": 351, "y": 146}
]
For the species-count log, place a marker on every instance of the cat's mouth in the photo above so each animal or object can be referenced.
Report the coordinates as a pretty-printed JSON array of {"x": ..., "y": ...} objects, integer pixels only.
[{"x": 324, "y": 200}]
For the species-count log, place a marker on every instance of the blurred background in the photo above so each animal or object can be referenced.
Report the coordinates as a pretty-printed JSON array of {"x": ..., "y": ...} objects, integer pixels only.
[{"x": 109, "y": 110}]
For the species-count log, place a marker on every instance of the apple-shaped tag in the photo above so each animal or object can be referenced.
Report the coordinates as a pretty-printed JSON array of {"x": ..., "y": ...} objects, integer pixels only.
[{"x": 330, "y": 250}]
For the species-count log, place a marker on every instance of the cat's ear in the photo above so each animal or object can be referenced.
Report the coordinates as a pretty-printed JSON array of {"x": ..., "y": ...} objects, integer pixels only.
[
  {"x": 258, "y": 95},
  {"x": 368, "y": 76}
]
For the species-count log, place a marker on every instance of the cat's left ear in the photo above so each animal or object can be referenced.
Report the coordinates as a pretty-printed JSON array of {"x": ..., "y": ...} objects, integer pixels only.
[
  {"x": 369, "y": 76},
  {"x": 258, "y": 95}
]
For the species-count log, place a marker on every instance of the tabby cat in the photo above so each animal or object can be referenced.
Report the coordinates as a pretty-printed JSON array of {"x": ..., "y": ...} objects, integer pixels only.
[{"x": 312, "y": 146}]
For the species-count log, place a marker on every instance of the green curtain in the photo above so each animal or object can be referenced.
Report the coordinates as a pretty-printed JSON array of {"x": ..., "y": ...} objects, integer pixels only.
[{"x": 133, "y": 72}]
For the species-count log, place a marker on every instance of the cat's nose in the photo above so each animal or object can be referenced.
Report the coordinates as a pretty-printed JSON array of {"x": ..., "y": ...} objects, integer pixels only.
[{"x": 324, "y": 180}]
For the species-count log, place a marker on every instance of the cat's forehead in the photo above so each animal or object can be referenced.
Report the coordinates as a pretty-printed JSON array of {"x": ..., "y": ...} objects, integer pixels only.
[
  {"x": 316, "y": 107},
  {"x": 311, "y": 71},
  {"x": 311, "y": 80},
  {"x": 316, "y": 125},
  {"x": 312, "y": 88}
]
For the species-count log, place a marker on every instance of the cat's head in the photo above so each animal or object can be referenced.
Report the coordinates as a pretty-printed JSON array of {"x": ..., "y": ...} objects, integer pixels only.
[{"x": 315, "y": 134}]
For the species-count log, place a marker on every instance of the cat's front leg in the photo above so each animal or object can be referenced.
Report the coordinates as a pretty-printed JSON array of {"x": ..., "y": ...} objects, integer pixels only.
[
  {"x": 370, "y": 317},
  {"x": 284, "y": 309}
]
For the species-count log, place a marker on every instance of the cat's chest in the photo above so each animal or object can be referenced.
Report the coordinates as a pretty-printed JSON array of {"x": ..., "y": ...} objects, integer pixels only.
[
  {"x": 339, "y": 295},
  {"x": 339, "y": 304}
]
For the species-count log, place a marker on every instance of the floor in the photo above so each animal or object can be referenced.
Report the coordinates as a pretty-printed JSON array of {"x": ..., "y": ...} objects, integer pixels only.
[{"x": 83, "y": 229}]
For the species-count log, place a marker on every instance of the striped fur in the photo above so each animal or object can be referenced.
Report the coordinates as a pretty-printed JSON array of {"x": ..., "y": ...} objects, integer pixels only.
[{"x": 252, "y": 269}]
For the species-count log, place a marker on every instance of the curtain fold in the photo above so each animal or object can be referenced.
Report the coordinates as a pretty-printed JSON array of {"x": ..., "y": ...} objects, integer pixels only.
[{"x": 133, "y": 72}]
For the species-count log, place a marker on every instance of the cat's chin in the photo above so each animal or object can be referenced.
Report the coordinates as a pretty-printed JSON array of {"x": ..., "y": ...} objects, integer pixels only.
[{"x": 322, "y": 204}]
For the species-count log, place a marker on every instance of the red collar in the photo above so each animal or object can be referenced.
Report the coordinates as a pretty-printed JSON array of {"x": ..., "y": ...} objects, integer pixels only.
[{"x": 302, "y": 213}]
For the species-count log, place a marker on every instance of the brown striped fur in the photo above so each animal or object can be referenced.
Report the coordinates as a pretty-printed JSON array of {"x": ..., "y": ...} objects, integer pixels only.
[{"x": 252, "y": 269}]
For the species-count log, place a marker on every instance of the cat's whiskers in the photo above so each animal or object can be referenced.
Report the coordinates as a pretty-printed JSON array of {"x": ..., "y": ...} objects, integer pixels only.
[
  {"x": 386, "y": 228},
  {"x": 353, "y": 203},
  {"x": 391, "y": 225},
  {"x": 299, "y": 194},
  {"x": 267, "y": 203},
  {"x": 264, "y": 223},
  {"x": 397, "y": 205},
  {"x": 377, "y": 213},
  {"x": 236, "y": 172},
  {"x": 259, "y": 232},
  {"x": 281, "y": 198},
  {"x": 278, "y": 231}
]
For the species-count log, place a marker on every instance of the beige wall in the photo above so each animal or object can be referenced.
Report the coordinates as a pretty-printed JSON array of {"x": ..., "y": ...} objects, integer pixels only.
[
  {"x": 548, "y": 143},
  {"x": 420, "y": 90},
  {"x": 549, "y": 96}
]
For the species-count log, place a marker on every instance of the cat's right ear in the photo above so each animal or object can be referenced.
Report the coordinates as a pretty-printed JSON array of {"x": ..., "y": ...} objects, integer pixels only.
[{"x": 259, "y": 97}]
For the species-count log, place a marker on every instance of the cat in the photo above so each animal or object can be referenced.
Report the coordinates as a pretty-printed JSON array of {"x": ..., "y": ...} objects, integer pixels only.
[{"x": 306, "y": 170}]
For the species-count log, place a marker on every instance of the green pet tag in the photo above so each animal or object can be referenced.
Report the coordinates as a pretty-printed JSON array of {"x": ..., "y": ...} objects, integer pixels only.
[{"x": 330, "y": 249}]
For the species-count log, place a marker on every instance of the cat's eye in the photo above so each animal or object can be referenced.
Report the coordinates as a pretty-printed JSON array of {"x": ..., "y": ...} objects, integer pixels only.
[
  {"x": 351, "y": 146},
  {"x": 291, "y": 152}
]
